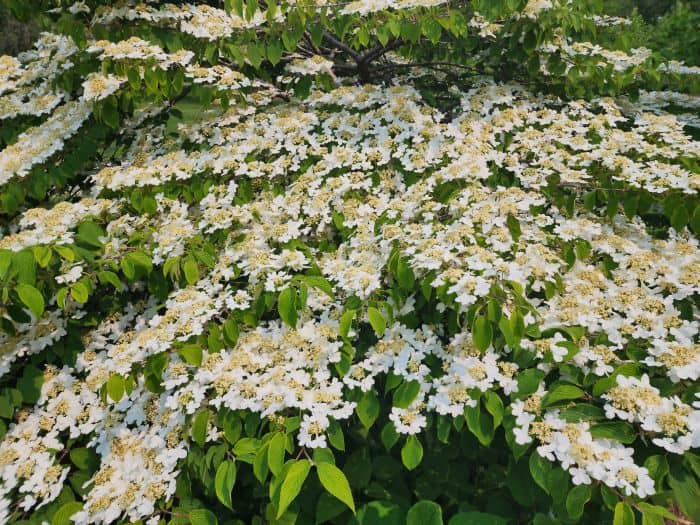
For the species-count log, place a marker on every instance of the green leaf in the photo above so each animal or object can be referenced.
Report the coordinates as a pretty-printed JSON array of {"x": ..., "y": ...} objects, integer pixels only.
[
  {"x": 323, "y": 455},
  {"x": 89, "y": 233},
  {"x": 84, "y": 458},
  {"x": 656, "y": 510},
  {"x": 624, "y": 515},
  {"x": 80, "y": 292},
  {"x": 529, "y": 381},
  {"x": 142, "y": 260},
  {"x": 275, "y": 452},
  {"x": 191, "y": 270},
  {"x": 134, "y": 78},
  {"x": 203, "y": 517},
  {"x": 63, "y": 514},
  {"x": 328, "y": 507},
  {"x": 318, "y": 282},
  {"x": 694, "y": 221},
  {"x": 589, "y": 199},
  {"x": 412, "y": 452},
  {"x": 609, "y": 497},
  {"x": 231, "y": 332},
  {"x": 406, "y": 393},
  {"x": 287, "y": 307},
  {"x": 539, "y": 470},
  {"x": 479, "y": 424},
  {"x": 192, "y": 354},
  {"x": 562, "y": 393},
  {"x": 376, "y": 319},
  {"x": 24, "y": 265},
  {"x": 617, "y": 430},
  {"x": 5, "y": 261},
  {"x": 685, "y": 492},
  {"x": 32, "y": 298},
  {"x": 115, "y": 387},
  {"x": 577, "y": 499},
  {"x": 346, "y": 322},
  {"x": 30, "y": 383},
  {"x": 274, "y": 53},
  {"x": 260, "y": 466},
  {"x": 482, "y": 333},
  {"x": 389, "y": 436},
  {"x": 110, "y": 112},
  {"x": 224, "y": 481},
  {"x": 494, "y": 406},
  {"x": 199, "y": 427},
  {"x": 107, "y": 277},
  {"x": 291, "y": 486},
  {"x": 679, "y": 217},
  {"x": 424, "y": 513},
  {"x": 6, "y": 408},
  {"x": 335, "y": 482},
  {"x": 335, "y": 435},
  {"x": 42, "y": 255},
  {"x": 581, "y": 412},
  {"x": 513, "y": 225},
  {"x": 477, "y": 518},
  {"x": 368, "y": 408},
  {"x": 381, "y": 513},
  {"x": 582, "y": 249},
  {"x": 405, "y": 275},
  {"x": 658, "y": 468},
  {"x": 245, "y": 449},
  {"x": 558, "y": 484}
]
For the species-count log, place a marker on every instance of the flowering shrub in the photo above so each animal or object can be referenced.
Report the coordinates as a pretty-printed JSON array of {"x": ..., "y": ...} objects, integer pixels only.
[{"x": 407, "y": 262}]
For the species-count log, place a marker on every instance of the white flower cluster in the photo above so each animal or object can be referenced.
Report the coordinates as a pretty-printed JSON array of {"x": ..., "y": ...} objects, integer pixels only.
[
  {"x": 571, "y": 444},
  {"x": 135, "y": 48},
  {"x": 679, "y": 68},
  {"x": 486, "y": 28},
  {"x": 28, "y": 460},
  {"x": 620, "y": 61},
  {"x": 198, "y": 20},
  {"x": 98, "y": 86},
  {"x": 659, "y": 102},
  {"x": 26, "y": 81},
  {"x": 364, "y": 7},
  {"x": 610, "y": 21},
  {"x": 222, "y": 76},
  {"x": 534, "y": 8},
  {"x": 49, "y": 57},
  {"x": 28, "y": 100},
  {"x": 46, "y": 226},
  {"x": 31, "y": 338},
  {"x": 39, "y": 143},
  {"x": 635, "y": 400},
  {"x": 310, "y": 66},
  {"x": 334, "y": 186}
]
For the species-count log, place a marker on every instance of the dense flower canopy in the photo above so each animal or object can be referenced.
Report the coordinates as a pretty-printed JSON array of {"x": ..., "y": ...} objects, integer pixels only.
[{"x": 387, "y": 229}]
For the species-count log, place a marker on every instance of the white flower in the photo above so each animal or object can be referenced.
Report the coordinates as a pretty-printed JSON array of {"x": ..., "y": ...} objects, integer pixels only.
[
  {"x": 98, "y": 86},
  {"x": 70, "y": 276},
  {"x": 311, "y": 66}
]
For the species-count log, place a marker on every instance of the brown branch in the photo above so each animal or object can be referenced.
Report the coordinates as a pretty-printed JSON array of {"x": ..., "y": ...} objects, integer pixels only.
[
  {"x": 379, "y": 51},
  {"x": 428, "y": 64},
  {"x": 343, "y": 46},
  {"x": 309, "y": 41}
]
